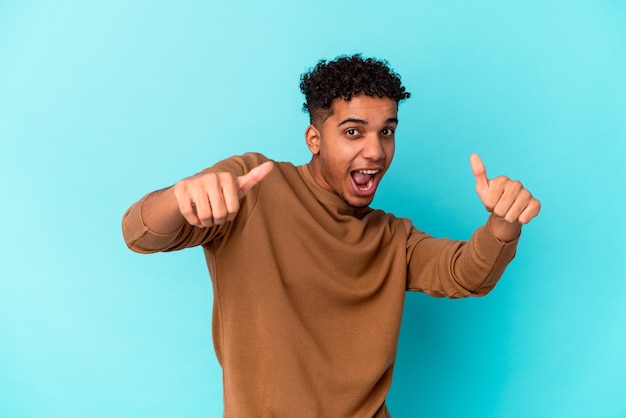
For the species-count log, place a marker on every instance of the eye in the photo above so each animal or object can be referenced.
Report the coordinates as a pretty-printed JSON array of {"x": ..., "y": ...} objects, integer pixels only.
[
  {"x": 387, "y": 132},
  {"x": 352, "y": 132}
]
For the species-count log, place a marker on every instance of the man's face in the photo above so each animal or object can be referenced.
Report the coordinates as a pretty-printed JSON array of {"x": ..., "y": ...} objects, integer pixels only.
[{"x": 354, "y": 147}]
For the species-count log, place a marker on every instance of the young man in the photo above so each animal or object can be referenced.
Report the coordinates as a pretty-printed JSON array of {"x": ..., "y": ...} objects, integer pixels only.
[{"x": 308, "y": 280}]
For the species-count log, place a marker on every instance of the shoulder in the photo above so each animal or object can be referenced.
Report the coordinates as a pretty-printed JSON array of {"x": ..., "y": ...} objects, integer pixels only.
[
  {"x": 238, "y": 164},
  {"x": 384, "y": 219}
]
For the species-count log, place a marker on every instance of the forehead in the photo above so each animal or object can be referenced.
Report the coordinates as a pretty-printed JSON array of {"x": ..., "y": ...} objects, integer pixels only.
[{"x": 370, "y": 109}]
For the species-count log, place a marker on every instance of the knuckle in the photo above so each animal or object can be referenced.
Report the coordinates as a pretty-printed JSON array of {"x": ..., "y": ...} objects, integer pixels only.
[
  {"x": 234, "y": 209},
  {"x": 510, "y": 218},
  {"x": 499, "y": 212},
  {"x": 219, "y": 216},
  {"x": 225, "y": 179},
  {"x": 210, "y": 179},
  {"x": 512, "y": 186},
  {"x": 205, "y": 217},
  {"x": 230, "y": 178},
  {"x": 180, "y": 189},
  {"x": 501, "y": 180}
]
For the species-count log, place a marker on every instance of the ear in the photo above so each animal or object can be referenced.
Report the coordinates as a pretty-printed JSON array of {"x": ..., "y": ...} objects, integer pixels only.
[{"x": 312, "y": 136}]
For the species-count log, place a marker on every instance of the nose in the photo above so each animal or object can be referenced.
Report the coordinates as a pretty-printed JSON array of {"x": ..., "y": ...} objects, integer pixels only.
[{"x": 373, "y": 148}]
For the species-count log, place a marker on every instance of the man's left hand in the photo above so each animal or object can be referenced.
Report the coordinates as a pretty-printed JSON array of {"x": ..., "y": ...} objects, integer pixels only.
[{"x": 510, "y": 204}]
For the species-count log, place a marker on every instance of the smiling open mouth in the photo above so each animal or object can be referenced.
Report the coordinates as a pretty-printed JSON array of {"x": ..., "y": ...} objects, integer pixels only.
[{"x": 364, "y": 179}]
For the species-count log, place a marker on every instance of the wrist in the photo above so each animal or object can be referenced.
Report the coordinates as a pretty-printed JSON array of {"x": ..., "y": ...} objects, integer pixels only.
[{"x": 503, "y": 230}]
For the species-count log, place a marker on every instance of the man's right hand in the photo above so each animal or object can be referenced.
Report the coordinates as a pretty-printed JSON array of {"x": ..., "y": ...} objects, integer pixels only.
[{"x": 209, "y": 199}]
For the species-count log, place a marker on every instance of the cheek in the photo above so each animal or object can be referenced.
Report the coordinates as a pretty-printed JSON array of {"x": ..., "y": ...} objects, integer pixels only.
[
  {"x": 331, "y": 161},
  {"x": 339, "y": 152},
  {"x": 390, "y": 149}
]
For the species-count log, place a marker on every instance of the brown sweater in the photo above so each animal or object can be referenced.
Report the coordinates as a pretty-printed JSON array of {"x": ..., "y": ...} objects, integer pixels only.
[{"x": 309, "y": 292}]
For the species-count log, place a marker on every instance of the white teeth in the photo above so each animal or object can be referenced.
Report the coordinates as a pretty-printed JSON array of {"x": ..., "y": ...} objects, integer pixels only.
[{"x": 368, "y": 171}]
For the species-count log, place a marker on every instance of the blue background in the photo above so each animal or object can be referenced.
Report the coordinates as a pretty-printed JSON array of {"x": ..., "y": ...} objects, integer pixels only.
[{"x": 103, "y": 101}]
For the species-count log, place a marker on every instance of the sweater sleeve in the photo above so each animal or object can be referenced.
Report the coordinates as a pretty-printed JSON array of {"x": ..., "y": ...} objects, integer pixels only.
[
  {"x": 141, "y": 239},
  {"x": 457, "y": 269}
]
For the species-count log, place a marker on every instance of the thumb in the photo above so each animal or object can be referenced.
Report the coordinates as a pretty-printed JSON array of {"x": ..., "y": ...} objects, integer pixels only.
[
  {"x": 480, "y": 173},
  {"x": 248, "y": 181}
]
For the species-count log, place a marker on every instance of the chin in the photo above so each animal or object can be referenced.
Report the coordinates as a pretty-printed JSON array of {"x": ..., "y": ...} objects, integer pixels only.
[{"x": 360, "y": 202}]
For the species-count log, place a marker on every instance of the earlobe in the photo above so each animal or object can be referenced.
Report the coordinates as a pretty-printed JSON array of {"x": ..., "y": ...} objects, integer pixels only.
[{"x": 312, "y": 136}]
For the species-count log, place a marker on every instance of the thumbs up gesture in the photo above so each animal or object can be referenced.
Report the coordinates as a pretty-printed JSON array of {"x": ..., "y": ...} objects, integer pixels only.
[
  {"x": 208, "y": 199},
  {"x": 510, "y": 204}
]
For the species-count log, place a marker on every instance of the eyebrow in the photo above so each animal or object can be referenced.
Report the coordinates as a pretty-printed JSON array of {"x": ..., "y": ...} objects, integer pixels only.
[{"x": 364, "y": 122}]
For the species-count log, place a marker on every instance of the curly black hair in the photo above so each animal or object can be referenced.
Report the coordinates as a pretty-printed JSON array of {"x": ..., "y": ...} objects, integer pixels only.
[{"x": 345, "y": 77}]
